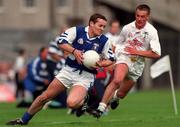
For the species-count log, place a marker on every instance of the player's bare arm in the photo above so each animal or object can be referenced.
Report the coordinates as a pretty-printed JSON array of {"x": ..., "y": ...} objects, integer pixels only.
[
  {"x": 77, "y": 53},
  {"x": 147, "y": 53},
  {"x": 104, "y": 63}
]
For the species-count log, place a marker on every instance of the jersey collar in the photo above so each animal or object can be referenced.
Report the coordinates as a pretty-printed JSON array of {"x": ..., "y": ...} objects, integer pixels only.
[
  {"x": 134, "y": 26},
  {"x": 86, "y": 30}
]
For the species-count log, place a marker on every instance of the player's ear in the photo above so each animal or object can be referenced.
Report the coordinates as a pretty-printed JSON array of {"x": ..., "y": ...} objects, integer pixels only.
[
  {"x": 91, "y": 23},
  {"x": 148, "y": 17}
]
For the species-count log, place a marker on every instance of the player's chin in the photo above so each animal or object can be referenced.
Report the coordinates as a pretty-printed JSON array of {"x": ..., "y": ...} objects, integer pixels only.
[{"x": 98, "y": 33}]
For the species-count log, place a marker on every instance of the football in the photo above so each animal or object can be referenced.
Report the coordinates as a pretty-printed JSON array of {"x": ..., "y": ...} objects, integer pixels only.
[{"x": 90, "y": 58}]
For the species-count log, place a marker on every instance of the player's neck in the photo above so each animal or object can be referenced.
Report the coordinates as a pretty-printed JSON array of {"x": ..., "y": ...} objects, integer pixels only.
[
  {"x": 139, "y": 27},
  {"x": 91, "y": 34}
]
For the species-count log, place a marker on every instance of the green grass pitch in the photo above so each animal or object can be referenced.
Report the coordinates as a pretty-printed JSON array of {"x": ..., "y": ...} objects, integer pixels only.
[{"x": 140, "y": 109}]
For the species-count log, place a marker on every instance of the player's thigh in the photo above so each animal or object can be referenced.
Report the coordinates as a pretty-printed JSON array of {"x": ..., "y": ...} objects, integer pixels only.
[
  {"x": 120, "y": 71},
  {"x": 77, "y": 94},
  {"x": 54, "y": 88}
]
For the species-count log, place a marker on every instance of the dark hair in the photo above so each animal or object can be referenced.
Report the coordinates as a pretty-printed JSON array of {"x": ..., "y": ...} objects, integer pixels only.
[
  {"x": 144, "y": 7},
  {"x": 21, "y": 51},
  {"x": 95, "y": 16},
  {"x": 42, "y": 50}
]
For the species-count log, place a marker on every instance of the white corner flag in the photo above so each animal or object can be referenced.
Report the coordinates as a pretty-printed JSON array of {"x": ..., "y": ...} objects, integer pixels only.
[
  {"x": 158, "y": 68},
  {"x": 161, "y": 66}
]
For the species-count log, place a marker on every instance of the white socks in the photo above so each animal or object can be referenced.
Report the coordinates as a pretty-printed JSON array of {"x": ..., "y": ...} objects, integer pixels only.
[
  {"x": 115, "y": 95},
  {"x": 102, "y": 107}
]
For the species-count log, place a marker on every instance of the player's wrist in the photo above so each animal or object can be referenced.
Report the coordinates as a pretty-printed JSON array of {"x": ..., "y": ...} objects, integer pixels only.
[{"x": 73, "y": 51}]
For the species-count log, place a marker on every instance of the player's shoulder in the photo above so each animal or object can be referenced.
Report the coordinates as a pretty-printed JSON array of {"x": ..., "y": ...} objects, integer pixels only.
[
  {"x": 104, "y": 38},
  {"x": 150, "y": 27},
  {"x": 81, "y": 29},
  {"x": 70, "y": 32},
  {"x": 131, "y": 24},
  {"x": 128, "y": 26},
  {"x": 108, "y": 34},
  {"x": 71, "y": 29}
]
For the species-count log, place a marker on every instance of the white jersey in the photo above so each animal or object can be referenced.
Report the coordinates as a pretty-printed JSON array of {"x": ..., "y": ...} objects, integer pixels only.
[
  {"x": 113, "y": 38},
  {"x": 53, "y": 48},
  {"x": 19, "y": 63},
  {"x": 142, "y": 39}
]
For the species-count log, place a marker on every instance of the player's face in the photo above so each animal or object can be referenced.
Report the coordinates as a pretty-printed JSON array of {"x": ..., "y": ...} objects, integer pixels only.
[
  {"x": 115, "y": 28},
  {"x": 98, "y": 27},
  {"x": 44, "y": 54},
  {"x": 141, "y": 18}
]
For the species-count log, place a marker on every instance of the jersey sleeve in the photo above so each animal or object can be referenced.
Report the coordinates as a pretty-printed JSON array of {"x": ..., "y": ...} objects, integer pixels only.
[
  {"x": 53, "y": 48},
  {"x": 107, "y": 52},
  {"x": 155, "y": 44},
  {"x": 67, "y": 37}
]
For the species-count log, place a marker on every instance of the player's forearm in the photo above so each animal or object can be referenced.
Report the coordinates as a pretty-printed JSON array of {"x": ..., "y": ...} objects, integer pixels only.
[
  {"x": 66, "y": 47},
  {"x": 148, "y": 53},
  {"x": 144, "y": 53},
  {"x": 105, "y": 63}
]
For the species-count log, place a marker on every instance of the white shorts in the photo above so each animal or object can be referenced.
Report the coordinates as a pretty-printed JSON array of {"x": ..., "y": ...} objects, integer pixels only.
[
  {"x": 135, "y": 65},
  {"x": 70, "y": 76}
]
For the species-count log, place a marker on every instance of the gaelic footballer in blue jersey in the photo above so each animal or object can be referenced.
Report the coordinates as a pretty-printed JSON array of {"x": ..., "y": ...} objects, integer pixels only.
[{"x": 74, "y": 75}]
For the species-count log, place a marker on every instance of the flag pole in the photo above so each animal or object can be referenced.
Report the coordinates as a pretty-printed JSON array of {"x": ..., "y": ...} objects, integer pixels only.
[{"x": 172, "y": 88}]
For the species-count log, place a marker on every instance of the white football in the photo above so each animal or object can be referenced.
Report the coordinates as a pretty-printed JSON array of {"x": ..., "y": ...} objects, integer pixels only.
[{"x": 90, "y": 58}]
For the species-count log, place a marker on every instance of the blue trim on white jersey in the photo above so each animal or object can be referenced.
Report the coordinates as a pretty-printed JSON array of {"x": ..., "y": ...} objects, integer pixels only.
[{"x": 84, "y": 43}]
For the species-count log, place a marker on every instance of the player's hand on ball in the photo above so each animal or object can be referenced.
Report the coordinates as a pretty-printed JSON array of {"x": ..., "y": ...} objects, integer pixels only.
[
  {"x": 90, "y": 58},
  {"x": 98, "y": 65}
]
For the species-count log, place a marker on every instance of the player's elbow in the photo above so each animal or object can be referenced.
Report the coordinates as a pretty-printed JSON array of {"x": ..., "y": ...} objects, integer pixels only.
[{"x": 156, "y": 56}]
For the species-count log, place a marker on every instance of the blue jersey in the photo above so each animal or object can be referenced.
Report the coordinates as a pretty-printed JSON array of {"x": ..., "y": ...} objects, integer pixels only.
[
  {"x": 78, "y": 37},
  {"x": 37, "y": 70},
  {"x": 36, "y": 74}
]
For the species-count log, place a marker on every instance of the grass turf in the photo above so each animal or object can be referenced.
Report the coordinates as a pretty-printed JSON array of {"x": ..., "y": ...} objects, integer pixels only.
[{"x": 141, "y": 109}]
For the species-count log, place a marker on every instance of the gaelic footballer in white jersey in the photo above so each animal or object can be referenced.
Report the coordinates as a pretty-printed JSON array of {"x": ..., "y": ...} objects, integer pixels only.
[{"x": 142, "y": 39}]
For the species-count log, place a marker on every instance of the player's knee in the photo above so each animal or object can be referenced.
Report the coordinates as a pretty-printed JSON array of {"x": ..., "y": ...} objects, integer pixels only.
[
  {"x": 71, "y": 103},
  {"x": 116, "y": 82},
  {"x": 121, "y": 94}
]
